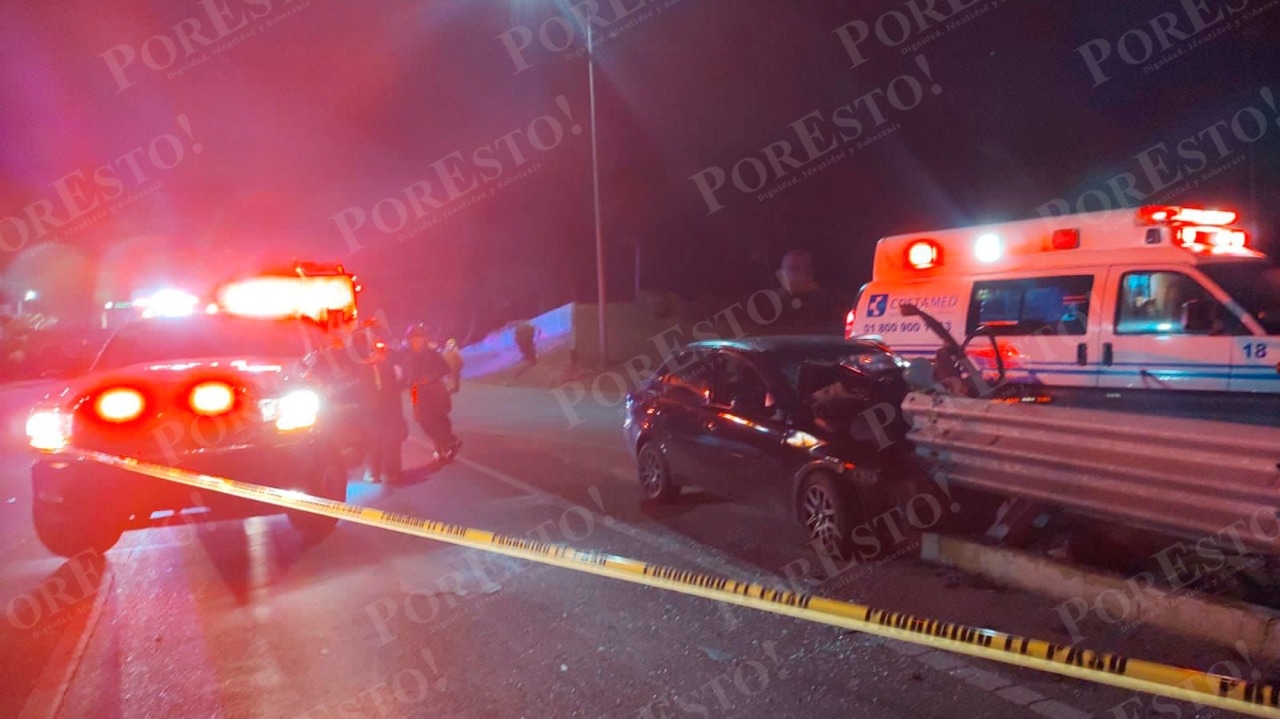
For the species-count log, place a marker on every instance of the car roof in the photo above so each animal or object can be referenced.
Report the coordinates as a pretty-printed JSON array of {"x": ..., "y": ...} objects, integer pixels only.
[{"x": 771, "y": 344}]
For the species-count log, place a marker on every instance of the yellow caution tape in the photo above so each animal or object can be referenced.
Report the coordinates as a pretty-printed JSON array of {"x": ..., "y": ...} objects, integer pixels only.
[{"x": 1255, "y": 698}]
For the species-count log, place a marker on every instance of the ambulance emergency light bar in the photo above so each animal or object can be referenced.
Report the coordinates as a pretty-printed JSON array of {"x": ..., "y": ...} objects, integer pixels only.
[
  {"x": 1173, "y": 215},
  {"x": 290, "y": 296}
]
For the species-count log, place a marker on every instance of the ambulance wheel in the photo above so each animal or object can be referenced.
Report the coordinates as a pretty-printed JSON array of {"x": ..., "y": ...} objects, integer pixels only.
[
  {"x": 68, "y": 533},
  {"x": 331, "y": 483}
]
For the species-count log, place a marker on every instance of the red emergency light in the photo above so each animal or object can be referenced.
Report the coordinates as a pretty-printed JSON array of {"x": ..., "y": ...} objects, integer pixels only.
[
  {"x": 1066, "y": 239},
  {"x": 924, "y": 254},
  {"x": 1214, "y": 240},
  {"x": 1171, "y": 214}
]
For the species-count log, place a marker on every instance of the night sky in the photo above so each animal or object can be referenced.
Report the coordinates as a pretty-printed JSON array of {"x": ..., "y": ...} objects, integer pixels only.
[{"x": 431, "y": 146}]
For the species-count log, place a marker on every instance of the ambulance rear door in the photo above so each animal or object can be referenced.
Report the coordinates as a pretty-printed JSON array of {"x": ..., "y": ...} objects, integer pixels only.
[{"x": 1166, "y": 328}]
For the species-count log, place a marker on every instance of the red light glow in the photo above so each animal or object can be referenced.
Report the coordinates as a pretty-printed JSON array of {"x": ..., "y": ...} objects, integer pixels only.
[
  {"x": 119, "y": 405},
  {"x": 1186, "y": 215},
  {"x": 924, "y": 254},
  {"x": 212, "y": 398}
]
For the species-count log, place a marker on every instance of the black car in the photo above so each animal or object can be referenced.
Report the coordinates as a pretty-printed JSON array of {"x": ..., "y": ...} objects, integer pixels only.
[
  {"x": 217, "y": 394},
  {"x": 802, "y": 425}
]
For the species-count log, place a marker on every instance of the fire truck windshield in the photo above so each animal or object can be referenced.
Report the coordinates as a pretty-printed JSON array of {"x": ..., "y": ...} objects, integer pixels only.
[
  {"x": 200, "y": 336},
  {"x": 1255, "y": 285}
]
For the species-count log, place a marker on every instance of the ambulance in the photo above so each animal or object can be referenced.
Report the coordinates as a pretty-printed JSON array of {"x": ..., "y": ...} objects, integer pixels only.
[{"x": 1162, "y": 299}]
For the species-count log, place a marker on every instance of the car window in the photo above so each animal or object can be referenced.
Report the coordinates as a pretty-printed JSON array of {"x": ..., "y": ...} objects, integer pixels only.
[
  {"x": 166, "y": 340},
  {"x": 688, "y": 373},
  {"x": 1167, "y": 303},
  {"x": 1031, "y": 306},
  {"x": 740, "y": 386}
]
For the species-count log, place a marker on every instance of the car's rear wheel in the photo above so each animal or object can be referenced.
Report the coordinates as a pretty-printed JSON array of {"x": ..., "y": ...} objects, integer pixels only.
[
  {"x": 827, "y": 516},
  {"x": 655, "y": 479},
  {"x": 330, "y": 483},
  {"x": 67, "y": 532}
]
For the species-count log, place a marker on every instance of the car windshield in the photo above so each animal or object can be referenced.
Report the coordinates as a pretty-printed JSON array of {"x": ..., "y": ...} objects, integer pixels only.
[
  {"x": 1255, "y": 285},
  {"x": 167, "y": 340}
]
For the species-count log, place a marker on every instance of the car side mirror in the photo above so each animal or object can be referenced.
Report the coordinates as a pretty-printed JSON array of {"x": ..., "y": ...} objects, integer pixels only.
[{"x": 1196, "y": 316}]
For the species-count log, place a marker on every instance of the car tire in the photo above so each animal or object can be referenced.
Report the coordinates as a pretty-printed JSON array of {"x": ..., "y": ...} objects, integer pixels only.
[
  {"x": 827, "y": 515},
  {"x": 70, "y": 533},
  {"x": 655, "y": 478},
  {"x": 331, "y": 483}
]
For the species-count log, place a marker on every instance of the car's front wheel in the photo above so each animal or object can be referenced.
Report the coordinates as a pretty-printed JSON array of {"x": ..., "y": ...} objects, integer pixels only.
[
  {"x": 330, "y": 483},
  {"x": 655, "y": 479},
  {"x": 68, "y": 532},
  {"x": 827, "y": 516}
]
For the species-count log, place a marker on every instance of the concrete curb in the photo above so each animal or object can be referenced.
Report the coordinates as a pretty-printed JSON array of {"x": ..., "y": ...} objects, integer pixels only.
[{"x": 1218, "y": 621}]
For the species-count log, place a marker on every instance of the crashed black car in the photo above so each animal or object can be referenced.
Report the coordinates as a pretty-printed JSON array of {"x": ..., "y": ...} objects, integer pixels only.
[
  {"x": 802, "y": 425},
  {"x": 218, "y": 394}
]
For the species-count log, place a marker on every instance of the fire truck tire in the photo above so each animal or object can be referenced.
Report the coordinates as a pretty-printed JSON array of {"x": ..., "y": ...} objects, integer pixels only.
[
  {"x": 69, "y": 533},
  {"x": 331, "y": 483}
]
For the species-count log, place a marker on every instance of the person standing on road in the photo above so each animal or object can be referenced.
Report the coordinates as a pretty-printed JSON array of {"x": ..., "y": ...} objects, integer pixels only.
[
  {"x": 385, "y": 425},
  {"x": 426, "y": 371}
]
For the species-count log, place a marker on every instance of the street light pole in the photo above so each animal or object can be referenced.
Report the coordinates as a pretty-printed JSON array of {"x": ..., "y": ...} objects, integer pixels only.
[{"x": 595, "y": 191}]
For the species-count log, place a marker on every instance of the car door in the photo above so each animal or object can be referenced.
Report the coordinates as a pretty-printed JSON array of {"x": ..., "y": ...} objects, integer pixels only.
[
  {"x": 744, "y": 455},
  {"x": 681, "y": 412},
  {"x": 1168, "y": 331}
]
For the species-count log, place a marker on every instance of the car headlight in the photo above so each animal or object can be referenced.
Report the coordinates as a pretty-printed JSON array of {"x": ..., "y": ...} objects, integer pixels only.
[
  {"x": 48, "y": 430},
  {"x": 876, "y": 362},
  {"x": 297, "y": 410}
]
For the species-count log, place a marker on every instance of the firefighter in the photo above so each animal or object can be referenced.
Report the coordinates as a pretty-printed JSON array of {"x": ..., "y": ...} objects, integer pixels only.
[{"x": 426, "y": 371}]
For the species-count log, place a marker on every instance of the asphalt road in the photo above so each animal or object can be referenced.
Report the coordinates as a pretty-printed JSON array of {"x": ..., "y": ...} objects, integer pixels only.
[{"x": 238, "y": 619}]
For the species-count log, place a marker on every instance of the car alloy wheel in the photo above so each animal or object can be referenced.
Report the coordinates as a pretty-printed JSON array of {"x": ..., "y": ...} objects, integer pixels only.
[
  {"x": 655, "y": 480},
  {"x": 826, "y": 517}
]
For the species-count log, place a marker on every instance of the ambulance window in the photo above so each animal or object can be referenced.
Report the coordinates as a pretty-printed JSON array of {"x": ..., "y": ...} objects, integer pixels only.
[
  {"x": 1170, "y": 303},
  {"x": 1058, "y": 305}
]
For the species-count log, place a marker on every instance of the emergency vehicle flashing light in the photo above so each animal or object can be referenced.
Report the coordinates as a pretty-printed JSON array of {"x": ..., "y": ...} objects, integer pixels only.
[
  {"x": 212, "y": 398},
  {"x": 988, "y": 248},
  {"x": 1214, "y": 240},
  {"x": 924, "y": 254},
  {"x": 120, "y": 404},
  {"x": 283, "y": 296},
  {"x": 167, "y": 303},
  {"x": 1158, "y": 214}
]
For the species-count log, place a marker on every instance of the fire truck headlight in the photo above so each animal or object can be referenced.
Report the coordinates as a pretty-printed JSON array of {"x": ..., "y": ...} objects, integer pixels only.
[
  {"x": 48, "y": 430},
  {"x": 297, "y": 410}
]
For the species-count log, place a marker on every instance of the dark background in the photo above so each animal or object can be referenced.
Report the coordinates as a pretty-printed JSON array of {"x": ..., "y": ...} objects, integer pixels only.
[{"x": 343, "y": 103}]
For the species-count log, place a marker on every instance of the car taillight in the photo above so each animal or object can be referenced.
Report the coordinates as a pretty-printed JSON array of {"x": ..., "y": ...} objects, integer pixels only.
[
  {"x": 48, "y": 430},
  {"x": 212, "y": 398},
  {"x": 849, "y": 320},
  {"x": 120, "y": 405}
]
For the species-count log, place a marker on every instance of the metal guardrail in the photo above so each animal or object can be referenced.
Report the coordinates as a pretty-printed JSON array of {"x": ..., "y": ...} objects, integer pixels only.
[{"x": 1184, "y": 476}]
